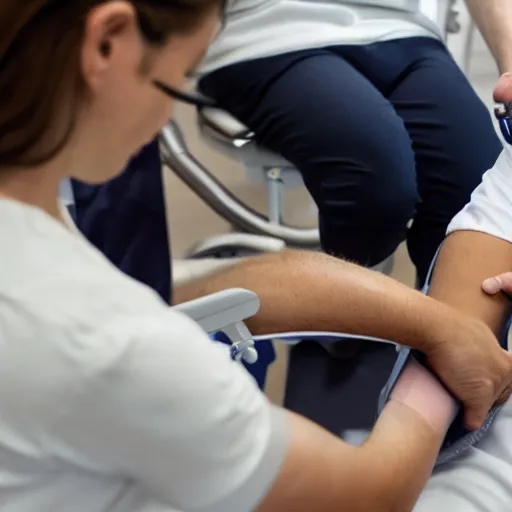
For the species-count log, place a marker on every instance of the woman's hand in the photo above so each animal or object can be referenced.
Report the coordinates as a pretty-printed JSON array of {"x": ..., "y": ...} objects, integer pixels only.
[{"x": 469, "y": 360}]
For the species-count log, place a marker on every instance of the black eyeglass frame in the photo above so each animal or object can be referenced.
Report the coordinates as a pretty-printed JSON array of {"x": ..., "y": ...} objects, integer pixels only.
[{"x": 198, "y": 101}]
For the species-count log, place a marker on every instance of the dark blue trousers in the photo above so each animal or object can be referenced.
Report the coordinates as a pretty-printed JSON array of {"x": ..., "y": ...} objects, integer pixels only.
[
  {"x": 126, "y": 220},
  {"x": 382, "y": 134}
]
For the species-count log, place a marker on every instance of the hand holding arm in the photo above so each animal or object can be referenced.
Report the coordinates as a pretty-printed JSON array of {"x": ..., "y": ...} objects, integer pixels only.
[{"x": 310, "y": 291}]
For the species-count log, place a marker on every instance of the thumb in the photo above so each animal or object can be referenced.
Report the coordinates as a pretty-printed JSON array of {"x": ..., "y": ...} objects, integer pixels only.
[
  {"x": 474, "y": 418},
  {"x": 503, "y": 89},
  {"x": 493, "y": 285},
  {"x": 498, "y": 284}
]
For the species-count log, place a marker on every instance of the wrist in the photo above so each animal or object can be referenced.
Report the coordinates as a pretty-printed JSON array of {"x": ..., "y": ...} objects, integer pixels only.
[
  {"x": 504, "y": 59},
  {"x": 431, "y": 326},
  {"x": 418, "y": 389}
]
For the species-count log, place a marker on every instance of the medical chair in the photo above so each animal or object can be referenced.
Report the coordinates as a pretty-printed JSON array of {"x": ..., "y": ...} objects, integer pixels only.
[{"x": 253, "y": 232}]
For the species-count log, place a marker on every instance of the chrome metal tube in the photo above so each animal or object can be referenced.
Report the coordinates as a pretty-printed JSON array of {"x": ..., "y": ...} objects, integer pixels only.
[{"x": 178, "y": 157}]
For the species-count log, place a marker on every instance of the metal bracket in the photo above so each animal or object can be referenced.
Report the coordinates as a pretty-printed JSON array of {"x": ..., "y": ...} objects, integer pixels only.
[{"x": 225, "y": 311}]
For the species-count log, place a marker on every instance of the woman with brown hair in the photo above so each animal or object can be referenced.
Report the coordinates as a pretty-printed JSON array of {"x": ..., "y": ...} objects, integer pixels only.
[{"x": 112, "y": 401}]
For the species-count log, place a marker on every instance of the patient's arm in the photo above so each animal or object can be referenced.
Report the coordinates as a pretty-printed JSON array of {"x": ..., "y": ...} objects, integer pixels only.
[
  {"x": 479, "y": 247},
  {"x": 387, "y": 473},
  {"x": 466, "y": 259},
  {"x": 307, "y": 291}
]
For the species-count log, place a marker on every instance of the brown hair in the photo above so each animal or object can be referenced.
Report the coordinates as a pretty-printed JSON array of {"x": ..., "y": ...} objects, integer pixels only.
[{"x": 40, "y": 78}]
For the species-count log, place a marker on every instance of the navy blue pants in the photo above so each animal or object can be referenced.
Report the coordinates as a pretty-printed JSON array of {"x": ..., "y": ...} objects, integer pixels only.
[
  {"x": 382, "y": 134},
  {"x": 126, "y": 220}
]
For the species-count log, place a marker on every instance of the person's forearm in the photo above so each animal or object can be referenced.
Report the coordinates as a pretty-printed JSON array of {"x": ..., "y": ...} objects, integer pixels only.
[
  {"x": 302, "y": 290},
  {"x": 387, "y": 473},
  {"x": 494, "y": 20},
  {"x": 409, "y": 433},
  {"x": 466, "y": 259},
  {"x": 404, "y": 448}
]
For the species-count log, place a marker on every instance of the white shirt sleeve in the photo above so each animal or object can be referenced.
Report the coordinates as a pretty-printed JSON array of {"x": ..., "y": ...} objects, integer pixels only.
[
  {"x": 171, "y": 411},
  {"x": 490, "y": 208}
]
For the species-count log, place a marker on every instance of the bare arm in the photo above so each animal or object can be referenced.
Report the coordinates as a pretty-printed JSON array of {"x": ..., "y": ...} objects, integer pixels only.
[
  {"x": 302, "y": 290},
  {"x": 479, "y": 247},
  {"x": 465, "y": 261},
  {"x": 176, "y": 416},
  {"x": 311, "y": 291},
  {"x": 469, "y": 257},
  {"x": 494, "y": 19},
  {"x": 387, "y": 473}
]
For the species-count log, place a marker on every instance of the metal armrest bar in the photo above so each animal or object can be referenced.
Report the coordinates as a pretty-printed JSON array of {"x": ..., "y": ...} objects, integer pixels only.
[
  {"x": 176, "y": 154},
  {"x": 205, "y": 122}
]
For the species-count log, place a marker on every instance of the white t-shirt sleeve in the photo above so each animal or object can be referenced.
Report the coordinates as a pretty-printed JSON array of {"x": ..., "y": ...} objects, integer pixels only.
[
  {"x": 171, "y": 411},
  {"x": 490, "y": 208}
]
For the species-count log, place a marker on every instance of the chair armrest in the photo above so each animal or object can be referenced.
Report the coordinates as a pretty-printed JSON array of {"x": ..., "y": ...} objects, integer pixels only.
[
  {"x": 225, "y": 311},
  {"x": 223, "y": 124},
  {"x": 220, "y": 310}
]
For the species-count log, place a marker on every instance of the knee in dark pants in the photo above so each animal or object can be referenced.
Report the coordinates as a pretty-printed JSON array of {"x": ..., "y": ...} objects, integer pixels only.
[{"x": 368, "y": 227}]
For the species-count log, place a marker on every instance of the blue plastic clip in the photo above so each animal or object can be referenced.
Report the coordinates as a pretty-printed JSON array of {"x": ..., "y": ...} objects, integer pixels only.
[{"x": 504, "y": 116}]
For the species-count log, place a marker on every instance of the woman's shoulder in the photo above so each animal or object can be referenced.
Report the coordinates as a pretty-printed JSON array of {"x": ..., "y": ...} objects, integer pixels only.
[
  {"x": 57, "y": 277},
  {"x": 62, "y": 303}
]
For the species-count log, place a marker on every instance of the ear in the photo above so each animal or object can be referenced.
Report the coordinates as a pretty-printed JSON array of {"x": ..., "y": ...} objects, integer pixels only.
[{"x": 111, "y": 34}]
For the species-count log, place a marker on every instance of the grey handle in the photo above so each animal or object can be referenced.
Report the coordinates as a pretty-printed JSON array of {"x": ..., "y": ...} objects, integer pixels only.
[
  {"x": 220, "y": 310},
  {"x": 226, "y": 311}
]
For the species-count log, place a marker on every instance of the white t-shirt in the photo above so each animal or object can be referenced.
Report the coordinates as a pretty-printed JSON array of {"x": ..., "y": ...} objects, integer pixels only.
[
  {"x": 262, "y": 28},
  {"x": 110, "y": 401}
]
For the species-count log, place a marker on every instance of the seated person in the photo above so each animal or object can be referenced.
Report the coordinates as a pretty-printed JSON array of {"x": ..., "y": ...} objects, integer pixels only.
[
  {"x": 353, "y": 93},
  {"x": 479, "y": 246},
  {"x": 112, "y": 401}
]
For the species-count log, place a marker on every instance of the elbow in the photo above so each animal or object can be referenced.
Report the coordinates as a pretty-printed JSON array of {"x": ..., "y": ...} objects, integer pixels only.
[
  {"x": 384, "y": 501},
  {"x": 390, "y": 500},
  {"x": 394, "y": 496},
  {"x": 390, "y": 490}
]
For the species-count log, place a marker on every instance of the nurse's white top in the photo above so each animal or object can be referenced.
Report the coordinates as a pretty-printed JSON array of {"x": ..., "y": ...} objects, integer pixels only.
[{"x": 109, "y": 400}]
